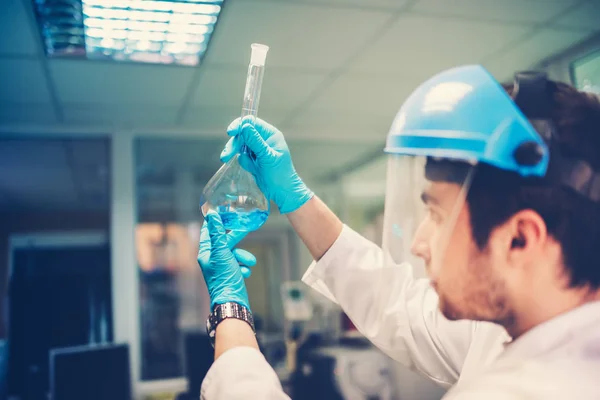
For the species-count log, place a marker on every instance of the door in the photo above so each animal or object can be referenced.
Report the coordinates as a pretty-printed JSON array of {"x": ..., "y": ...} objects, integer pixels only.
[{"x": 59, "y": 296}]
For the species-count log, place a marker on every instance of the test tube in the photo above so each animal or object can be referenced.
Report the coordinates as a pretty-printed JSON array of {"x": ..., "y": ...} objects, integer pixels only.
[{"x": 256, "y": 70}]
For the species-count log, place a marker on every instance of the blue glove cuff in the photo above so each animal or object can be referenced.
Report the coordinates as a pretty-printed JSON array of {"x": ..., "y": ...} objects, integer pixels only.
[
  {"x": 224, "y": 297},
  {"x": 293, "y": 195},
  {"x": 294, "y": 204},
  {"x": 226, "y": 292}
]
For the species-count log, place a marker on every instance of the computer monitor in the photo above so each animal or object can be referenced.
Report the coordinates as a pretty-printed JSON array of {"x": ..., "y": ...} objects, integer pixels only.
[{"x": 97, "y": 372}]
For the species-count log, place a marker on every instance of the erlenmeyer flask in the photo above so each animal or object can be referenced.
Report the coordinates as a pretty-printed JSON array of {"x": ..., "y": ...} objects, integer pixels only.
[{"x": 233, "y": 193}]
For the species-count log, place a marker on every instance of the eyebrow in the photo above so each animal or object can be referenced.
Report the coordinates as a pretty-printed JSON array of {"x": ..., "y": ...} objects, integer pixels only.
[{"x": 427, "y": 198}]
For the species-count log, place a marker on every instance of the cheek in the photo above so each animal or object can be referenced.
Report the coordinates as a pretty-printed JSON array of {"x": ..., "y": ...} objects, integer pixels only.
[
  {"x": 452, "y": 267},
  {"x": 450, "y": 250}
]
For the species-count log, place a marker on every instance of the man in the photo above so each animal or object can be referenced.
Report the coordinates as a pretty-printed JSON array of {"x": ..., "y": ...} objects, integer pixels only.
[{"x": 499, "y": 199}]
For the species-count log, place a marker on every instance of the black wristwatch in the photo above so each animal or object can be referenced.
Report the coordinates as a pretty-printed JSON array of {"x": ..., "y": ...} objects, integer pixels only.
[{"x": 227, "y": 310}]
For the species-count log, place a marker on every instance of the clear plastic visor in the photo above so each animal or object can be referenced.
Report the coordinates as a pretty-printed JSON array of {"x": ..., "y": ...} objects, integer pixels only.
[{"x": 424, "y": 200}]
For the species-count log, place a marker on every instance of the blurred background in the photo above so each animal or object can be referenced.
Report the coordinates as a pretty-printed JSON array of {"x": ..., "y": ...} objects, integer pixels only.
[{"x": 112, "y": 117}]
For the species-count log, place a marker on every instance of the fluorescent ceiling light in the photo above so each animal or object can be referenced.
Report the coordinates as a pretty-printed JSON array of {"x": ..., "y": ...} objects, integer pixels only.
[{"x": 153, "y": 31}]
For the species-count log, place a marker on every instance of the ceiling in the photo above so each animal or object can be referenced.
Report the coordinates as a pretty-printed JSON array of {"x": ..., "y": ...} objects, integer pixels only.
[
  {"x": 335, "y": 67},
  {"x": 336, "y": 73}
]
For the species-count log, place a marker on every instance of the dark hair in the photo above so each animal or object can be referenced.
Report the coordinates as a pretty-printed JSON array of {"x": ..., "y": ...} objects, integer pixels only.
[{"x": 571, "y": 219}]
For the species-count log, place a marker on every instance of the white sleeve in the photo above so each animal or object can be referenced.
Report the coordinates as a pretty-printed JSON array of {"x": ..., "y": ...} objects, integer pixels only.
[
  {"x": 397, "y": 312},
  {"x": 526, "y": 379},
  {"x": 241, "y": 373}
]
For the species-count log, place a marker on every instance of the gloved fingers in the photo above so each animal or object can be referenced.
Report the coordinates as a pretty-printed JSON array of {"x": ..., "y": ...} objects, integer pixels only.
[
  {"x": 231, "y": 149},
  {"x": 255, "y": 141},
  {"x": 246, "y": 261},
  {"x": 216, "y": 232},
  {"x": 244, "y": 257},
  {"x": 234, "y": 127},
  {"x": 234, "y": 237},
  {"x": 204, "y": 246},
  {"x": 266, "y": 130},
  {"x": 246, "y": 272},
  {"x": 247, "y": 163}
]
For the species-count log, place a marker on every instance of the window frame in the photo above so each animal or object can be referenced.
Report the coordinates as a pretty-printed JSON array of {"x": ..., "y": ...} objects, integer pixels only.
[{"x": 560, "y": 66}]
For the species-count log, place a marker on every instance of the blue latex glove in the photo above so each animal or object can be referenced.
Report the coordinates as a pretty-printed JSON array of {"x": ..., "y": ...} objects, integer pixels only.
[
  {"x": 224, "y": 270},
  {"x": 269, "y": 161}
]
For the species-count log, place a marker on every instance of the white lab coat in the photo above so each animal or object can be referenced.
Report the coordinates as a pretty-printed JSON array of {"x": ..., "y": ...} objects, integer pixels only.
[{"x": 400, "y": 316}]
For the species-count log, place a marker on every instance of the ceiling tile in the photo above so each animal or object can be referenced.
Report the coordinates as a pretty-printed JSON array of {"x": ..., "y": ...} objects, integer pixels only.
[
  {"x": 376, "y": 94},
  {"x": 274, "y": 116},
  {"x": 27, "y": 114},
  {"x": 218, "y": 118},
  {"x": 543, "y": 44},
  {"x": 283, "y": 89},
  {"x": 332, "y": 35},
  {"x": 526, "y": 11},
  {"x": 120, "y": 83},
  {"x": 373, "y": 170},
  {"x": 16, "y": 35},
  {"x": 211, "y": 118},
  {"x": 23, "y": 81},
  {"x": 373, "y": 4},
  {"x": 287, "y": 90},
  {"x": 585, "y": 16},
  {"x": 220, "y": 87},
  {"x": 368, "y": 181},
  {"x": 422, "y": 46},
  {"x": 326, "y": 124},
  {"x": 134, "y": 116},
  {"x": 315, "y": 160}
]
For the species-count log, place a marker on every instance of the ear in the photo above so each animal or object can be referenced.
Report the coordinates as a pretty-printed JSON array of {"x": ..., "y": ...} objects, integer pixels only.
[{"x": 528, "y": 235}]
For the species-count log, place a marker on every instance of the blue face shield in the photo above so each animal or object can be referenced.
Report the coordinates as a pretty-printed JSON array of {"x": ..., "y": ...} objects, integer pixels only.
[
  {"x": 448, "y": 125},
  {"x": 463, "y": 116}
]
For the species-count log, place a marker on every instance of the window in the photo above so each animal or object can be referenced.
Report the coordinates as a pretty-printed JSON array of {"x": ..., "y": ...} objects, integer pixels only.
[
  {"x": 586, "y": 72},
  {"x": 150, "y": 31}
]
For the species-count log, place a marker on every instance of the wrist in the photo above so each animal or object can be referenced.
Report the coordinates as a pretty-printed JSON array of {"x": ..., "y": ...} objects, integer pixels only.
[{"x": 233, "y": 333}]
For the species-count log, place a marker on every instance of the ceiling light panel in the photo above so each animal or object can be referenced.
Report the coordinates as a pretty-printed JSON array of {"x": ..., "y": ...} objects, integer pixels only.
[{"x": 150, "y": 31}]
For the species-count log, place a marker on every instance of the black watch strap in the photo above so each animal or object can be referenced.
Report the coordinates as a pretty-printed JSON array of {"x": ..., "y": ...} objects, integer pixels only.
[{"x": 227, "y": 310}]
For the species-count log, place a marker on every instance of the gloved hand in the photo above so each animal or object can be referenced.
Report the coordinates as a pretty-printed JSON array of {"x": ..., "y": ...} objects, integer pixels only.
[
  {"x": 224, "y": 270},
  {"x": 270, "y": 162}
]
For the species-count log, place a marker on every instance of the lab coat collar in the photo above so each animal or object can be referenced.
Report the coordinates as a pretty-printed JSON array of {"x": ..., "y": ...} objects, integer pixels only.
[{"x": 555, "y": 332}]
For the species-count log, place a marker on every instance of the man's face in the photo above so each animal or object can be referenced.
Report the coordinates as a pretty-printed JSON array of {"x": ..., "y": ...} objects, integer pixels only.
[{"x": 467, "y": 279}]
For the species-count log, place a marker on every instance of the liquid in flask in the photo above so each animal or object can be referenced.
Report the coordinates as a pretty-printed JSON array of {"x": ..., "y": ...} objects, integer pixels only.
[{"x": 233, "y": 193}]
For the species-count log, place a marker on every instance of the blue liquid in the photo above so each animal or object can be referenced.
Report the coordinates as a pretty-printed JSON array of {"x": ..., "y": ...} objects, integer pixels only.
[{"x": 243, "y": 221}]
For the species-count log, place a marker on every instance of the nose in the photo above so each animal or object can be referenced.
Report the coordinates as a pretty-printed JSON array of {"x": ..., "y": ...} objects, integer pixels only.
[
  {"x": 420, "y": 244},
  {"x": 420, "y": 248}
]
